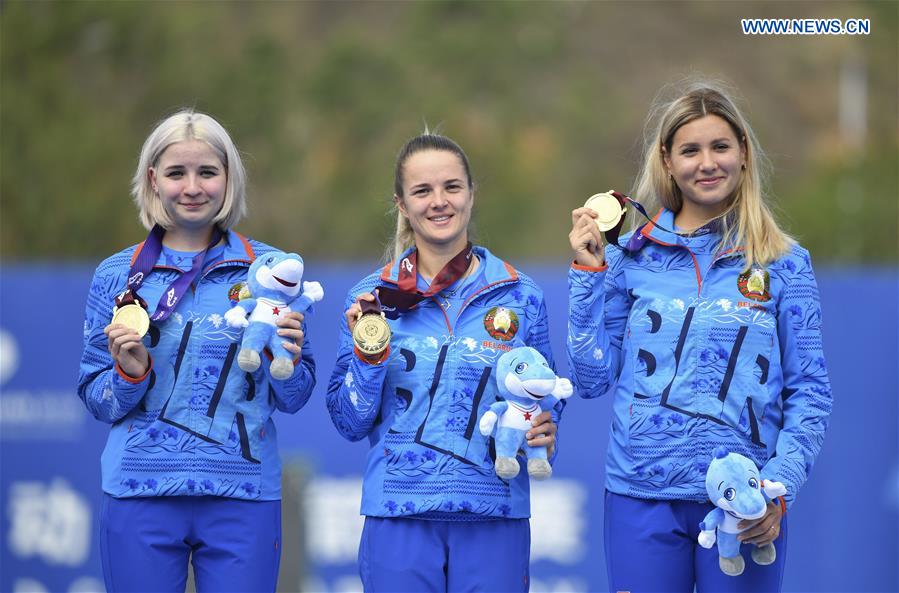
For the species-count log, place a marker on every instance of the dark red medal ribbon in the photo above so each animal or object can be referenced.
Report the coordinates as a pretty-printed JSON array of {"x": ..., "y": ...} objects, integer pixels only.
[
  {"x": 408, "y": 294},
  {"x": 371, "y": 306},
  {"x": 143, "y": 265}
]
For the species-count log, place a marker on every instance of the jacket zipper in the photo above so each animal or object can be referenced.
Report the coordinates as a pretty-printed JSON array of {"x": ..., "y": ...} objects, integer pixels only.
[{"x": 692, "y": 256}]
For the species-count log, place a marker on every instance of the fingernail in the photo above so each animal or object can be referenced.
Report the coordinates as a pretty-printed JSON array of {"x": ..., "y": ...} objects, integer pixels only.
[{"x": 527, "y": 436}]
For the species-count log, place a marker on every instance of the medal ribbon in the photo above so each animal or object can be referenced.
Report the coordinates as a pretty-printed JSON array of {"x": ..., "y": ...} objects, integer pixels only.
[
  {"x": 452, "y": 271},
  {"x": 408, "y": 294},
  {"x": 143, "y": 265},
  {"x": 371, "y": 307},
  {"x": 637, "y": 240}
]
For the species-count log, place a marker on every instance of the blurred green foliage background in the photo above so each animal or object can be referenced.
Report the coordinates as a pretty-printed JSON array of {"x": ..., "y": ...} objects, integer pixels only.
[{"x": 547, "y": 98}]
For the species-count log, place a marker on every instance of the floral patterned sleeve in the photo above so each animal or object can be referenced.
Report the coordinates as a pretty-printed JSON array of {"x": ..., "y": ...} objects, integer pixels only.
[
  {"x": 806, "y": 397},
  {"x": 598, "y": 307},
  {"x": 107, "y": 392},
  {"x": 354, "y": 391}
]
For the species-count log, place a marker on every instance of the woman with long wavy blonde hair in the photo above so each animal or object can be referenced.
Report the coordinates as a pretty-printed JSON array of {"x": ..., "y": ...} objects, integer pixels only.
[
  {"x": 706, "y": 328},
  {"x": 746, "y": 218}
]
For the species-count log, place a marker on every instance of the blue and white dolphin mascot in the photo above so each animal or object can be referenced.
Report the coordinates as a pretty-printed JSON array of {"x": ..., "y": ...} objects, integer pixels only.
[
  {"x": 529, "y": 387},
  {"x": 736, "y": 489},
  {"x": 274, "y": 283}
]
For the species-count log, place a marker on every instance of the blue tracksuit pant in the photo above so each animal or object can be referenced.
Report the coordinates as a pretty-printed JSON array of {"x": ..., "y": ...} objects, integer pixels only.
[
  {"x": 234, "y": 545},
  {"x": 651, "y": 547},
  {"x": 405, "y": 555}
]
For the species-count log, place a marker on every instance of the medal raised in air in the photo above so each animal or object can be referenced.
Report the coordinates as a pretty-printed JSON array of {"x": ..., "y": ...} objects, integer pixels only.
[{"x": 608, "y": 208}]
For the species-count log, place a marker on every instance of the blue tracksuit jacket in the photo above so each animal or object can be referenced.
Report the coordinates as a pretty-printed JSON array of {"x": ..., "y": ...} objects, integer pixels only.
[
  {"x": 195, "y": 424},
  {"x": 420, "y": 407},
  {"x": 699, "y": 355}
]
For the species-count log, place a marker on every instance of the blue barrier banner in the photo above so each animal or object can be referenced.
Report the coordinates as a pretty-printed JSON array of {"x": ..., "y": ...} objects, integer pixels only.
[{"x": 50, "y": 447}]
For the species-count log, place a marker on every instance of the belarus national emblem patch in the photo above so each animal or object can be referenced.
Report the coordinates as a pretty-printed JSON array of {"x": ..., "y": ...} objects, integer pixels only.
[
  {"x": 238, "y": 292},
  {"x": 755, "y": 284},
  {"x": 501, "y": 323}
]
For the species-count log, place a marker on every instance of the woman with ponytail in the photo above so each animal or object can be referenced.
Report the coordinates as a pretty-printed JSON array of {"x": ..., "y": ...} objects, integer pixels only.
[{"x": 437, "y": 516}]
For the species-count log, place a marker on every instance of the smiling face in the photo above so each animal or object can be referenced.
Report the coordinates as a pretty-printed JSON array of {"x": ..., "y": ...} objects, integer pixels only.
[
  {"x": 705, "y": 160},
  {"x": 277, "y": 274},
  {"x": 437, "y": 200},
  {"x": 734, "y": 485},
  {"x": 190, "y": 180},
  {"x": 524, "y": 374}
]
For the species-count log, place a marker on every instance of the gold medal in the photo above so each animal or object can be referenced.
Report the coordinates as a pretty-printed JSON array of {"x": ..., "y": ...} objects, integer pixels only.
[
  {"x": 132, "y": 316},
  {"x": 608, "y": 209},
  {"x": 371, "y": 334}
]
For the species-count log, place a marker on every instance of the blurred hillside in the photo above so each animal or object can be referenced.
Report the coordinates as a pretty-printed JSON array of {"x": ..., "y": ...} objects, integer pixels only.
[{"x": 548, "y": 99}]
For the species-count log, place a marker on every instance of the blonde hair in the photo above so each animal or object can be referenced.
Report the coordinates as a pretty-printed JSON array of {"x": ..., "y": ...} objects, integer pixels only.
[
  {"x": 186, "y": 125},
  {"x": 748, "y": 221},
  {"x": 404, "y": 236}
]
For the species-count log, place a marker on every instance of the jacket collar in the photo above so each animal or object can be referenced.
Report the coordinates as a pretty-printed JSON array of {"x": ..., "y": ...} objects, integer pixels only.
[
  {"x": 495, "y": 269},
  {"x": 237, "y": 249},
  {"x": 660, "y": 230}
]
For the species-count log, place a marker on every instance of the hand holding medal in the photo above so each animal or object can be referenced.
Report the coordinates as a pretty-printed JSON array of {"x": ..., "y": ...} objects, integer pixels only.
[
  {"x": 125, "y": 331},
  {"x": 609, "y": 208},
  {"x": 131, "y": 312},
  {"x": 371, "y": 333},
  {"x": 587, "y": 225},
  {"x": 127, "y": 349},
  {"x": 130, "y": 315},
  {"x": 603, "y": 217}
]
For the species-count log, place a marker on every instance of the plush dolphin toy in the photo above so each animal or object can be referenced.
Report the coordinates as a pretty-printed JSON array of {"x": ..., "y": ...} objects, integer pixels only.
[
  {"x": 274, "y": 286},
  {"x": 529, "y": 387},
  {"x": 734, "y": 486}
]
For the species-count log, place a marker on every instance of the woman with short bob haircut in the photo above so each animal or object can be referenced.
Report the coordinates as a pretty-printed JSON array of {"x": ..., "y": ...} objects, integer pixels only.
[
  {"x": 704, "y": 325},
  {"x": 191, "y": 471},
  {"x": 180, "y": 127}
]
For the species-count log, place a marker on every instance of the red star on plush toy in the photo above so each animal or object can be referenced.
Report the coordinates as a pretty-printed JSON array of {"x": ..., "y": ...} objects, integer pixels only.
[
  {"x": 527, "y": 415},
  {"x": 276, "y": 310}
]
